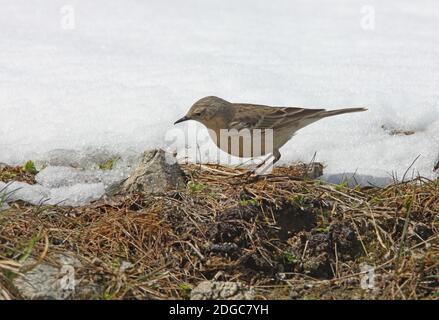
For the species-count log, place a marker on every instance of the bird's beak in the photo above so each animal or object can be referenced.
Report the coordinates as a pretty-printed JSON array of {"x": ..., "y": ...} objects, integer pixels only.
[{"x": 185, "y": 118}]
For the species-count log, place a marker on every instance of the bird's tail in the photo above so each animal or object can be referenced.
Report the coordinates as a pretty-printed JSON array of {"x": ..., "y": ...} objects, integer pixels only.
[{"x": 342, "y": 111}]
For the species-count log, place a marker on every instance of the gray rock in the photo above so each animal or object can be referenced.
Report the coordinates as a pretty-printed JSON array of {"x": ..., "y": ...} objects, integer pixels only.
[
  {"x": 221, "y": 290},
  {"x": 3, "y": 206},
  {"x": 51, "y": 281},
  {"x": 315, "y": 170},
  {"x": 157, "y": 172}
]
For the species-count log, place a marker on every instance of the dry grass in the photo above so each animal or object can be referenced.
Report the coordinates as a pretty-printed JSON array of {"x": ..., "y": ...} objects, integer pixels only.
[{"x": 285, "y": 236}]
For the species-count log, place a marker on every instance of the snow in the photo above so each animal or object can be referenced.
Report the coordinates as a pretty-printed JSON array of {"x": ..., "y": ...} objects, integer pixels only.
[
  {"x": 55, "y": 177},
  {"x": 119, "y": 78},
  {"x": 76, "y": 195},
  {"x": 73, "y": 180}
]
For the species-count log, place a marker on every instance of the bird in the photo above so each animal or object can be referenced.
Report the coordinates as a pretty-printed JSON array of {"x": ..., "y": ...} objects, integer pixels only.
[{"x": 279, "y": 123}]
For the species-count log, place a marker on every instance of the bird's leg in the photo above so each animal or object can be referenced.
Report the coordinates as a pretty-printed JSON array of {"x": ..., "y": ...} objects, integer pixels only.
[
  {"x": 276, "y": 155},
  {"x": 249, "y": 172},
  {"x": 243, "y": 164},
  {"x": 246, "y": 173},
  {"x": 267, "y": 165},
  {"x": 264, "y": 167}
]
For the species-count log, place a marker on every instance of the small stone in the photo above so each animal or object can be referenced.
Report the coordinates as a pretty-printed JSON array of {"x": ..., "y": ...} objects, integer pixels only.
[
  {"x": 221, "y": 290},
  {"x": 423, "y": 230},
  {"x": 225, "y": 247},
  {"x": 157, "y": 173},
  {"x": 48, "y": 282},
  {"x": 125, "y": 265},
  {"x": 58, "y": 281},
  {"x": 315, "y": 170},
  {"x": 4, "y": 206}
]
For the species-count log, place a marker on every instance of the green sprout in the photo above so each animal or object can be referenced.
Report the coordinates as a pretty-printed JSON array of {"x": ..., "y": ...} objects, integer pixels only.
[
  {"x": 185, "y": 287},
  {"x": 343, "y": 185},
  {"x": 29, "y": 167},
  {"x": 289, "y": 257},
  {"x": 249, "y": 202},
  {"x": 195, "y": 187},
  {"x": 322, "y": 229},
  {"x": 299, "y": 200}
]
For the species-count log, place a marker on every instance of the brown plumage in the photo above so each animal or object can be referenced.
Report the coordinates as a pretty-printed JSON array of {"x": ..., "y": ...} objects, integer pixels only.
[{"x": 217, "y": 114}]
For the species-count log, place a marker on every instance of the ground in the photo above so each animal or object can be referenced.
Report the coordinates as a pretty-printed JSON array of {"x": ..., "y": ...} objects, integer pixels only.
[{"x": 283, "y": 235}]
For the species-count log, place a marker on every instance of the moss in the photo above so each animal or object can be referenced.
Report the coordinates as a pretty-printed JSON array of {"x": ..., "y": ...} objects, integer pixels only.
[
  {"x": 109, "y": 164},
  {"x": 249, "y": 202},
  {"x": 195, "y": 187}
]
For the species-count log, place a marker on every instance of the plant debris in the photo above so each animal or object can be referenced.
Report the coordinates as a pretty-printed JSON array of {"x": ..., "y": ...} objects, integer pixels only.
[
  {"x": 397, "y": 132},
  {"x": 22, "y": 174},
  {"x": 285, "y": 236}
]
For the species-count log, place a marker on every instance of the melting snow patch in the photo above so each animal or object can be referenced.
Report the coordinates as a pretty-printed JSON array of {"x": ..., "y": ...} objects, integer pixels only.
[
  {"x": 70, "y": 186},
  {"x": 55, "y": 177},
  {"x": 34, "y": 194},
  {"x": 63, "y": 186},
  {"x": 76, "y": 195}
]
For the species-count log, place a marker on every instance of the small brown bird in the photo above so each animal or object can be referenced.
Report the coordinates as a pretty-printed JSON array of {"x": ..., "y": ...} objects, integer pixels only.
[{"x": 218, "y": 114}]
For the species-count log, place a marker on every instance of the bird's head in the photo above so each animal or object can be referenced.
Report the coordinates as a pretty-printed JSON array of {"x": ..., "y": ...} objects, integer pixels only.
[{"x": 204, "y": 109}]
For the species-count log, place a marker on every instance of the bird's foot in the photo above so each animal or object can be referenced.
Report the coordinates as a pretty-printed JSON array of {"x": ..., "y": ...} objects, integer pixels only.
[
  {"x": 245, "y": 177},
  {"x": 244, "y": 174}
]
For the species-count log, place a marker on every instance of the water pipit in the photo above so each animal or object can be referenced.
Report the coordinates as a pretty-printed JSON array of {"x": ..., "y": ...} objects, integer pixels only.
[{"x": 268, "y": 128}]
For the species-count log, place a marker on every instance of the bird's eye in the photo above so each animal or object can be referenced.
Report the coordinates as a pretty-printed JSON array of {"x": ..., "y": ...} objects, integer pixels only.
[{"x": 197, "y": 114}]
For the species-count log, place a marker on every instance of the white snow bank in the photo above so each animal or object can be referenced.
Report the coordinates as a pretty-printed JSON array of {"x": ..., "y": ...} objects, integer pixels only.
[{"x": 127, "y": 70}]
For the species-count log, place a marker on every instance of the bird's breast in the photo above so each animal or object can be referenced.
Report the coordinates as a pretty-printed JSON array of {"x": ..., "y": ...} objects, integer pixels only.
[{"x": 243, "y": 143}]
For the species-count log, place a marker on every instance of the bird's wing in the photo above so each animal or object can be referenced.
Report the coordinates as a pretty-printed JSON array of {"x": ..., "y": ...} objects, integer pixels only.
[{"x": 264, "y": 117}]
